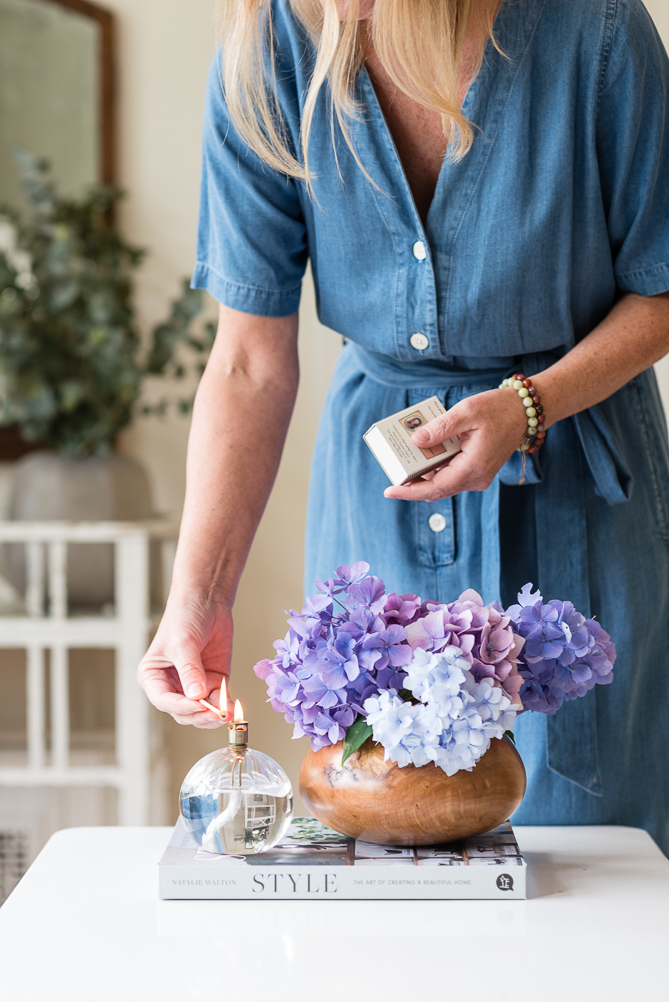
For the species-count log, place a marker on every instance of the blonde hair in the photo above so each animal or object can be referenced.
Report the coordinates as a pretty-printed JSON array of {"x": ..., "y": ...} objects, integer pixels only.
[{"x": 419, "y": 43}]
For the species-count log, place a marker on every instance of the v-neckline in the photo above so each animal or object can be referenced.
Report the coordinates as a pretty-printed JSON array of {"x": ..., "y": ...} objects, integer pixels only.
[{"x": 468, "y": 99}]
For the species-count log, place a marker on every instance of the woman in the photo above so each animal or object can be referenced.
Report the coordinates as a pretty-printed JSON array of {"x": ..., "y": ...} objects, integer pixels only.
[{"x": 538, "y": 242}]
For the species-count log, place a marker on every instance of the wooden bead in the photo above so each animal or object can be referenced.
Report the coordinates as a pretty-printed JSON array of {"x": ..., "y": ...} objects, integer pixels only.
[{"x": 535, "y": 432}]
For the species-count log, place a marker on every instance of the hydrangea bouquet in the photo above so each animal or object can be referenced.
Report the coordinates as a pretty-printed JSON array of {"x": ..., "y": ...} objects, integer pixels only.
[{"x": 431, "y": 682}]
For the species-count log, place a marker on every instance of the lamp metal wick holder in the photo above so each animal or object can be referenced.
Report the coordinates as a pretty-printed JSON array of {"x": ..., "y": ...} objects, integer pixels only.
[{"x": 238, "y": 734}]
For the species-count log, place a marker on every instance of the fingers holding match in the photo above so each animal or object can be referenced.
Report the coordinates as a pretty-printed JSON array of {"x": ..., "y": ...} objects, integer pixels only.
[{"x": 222, "y": 709}]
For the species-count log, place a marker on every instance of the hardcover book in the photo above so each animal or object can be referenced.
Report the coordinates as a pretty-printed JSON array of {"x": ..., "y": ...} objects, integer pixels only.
[
  {"x": 390, "y": 441},
  {"x": 312, "y": 861}
]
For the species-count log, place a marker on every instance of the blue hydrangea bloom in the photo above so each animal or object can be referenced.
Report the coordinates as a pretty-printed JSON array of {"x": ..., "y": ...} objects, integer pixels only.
[{"x": 454, "y": 722}]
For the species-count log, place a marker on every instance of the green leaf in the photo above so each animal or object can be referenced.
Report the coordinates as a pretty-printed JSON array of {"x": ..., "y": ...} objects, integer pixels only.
[
  {"x": 511, "y": 735},
  {"x": 72, "y": 359},
  {"x": 356, "y": 735}
]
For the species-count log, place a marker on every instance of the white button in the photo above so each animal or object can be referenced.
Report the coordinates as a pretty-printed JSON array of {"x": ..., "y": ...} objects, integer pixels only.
[
  {"x": 437, "y": 522},
  {"x": 419, "y": 251},
  {"x": 419, "y": 342}
]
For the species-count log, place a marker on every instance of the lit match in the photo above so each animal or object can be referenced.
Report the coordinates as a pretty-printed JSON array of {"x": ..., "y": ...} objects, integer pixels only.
[{"x": 222, "y": 711}]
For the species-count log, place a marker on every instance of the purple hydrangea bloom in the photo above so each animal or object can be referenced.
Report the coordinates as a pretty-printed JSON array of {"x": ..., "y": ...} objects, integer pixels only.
[
  {"x": 564, "y": 656},
  {"x": 386, "y": 648},
  {"x": 401, "y": 609},
  {"x": 339, "y": 650},
  {"x": 368, "y": 593},
  {"x": 344, "y": 576}
]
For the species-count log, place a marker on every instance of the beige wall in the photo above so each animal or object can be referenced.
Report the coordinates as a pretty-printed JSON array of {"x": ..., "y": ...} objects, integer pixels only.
[
  {"x": 659, "y": 11},
  {"x": 165, "y": 49}
]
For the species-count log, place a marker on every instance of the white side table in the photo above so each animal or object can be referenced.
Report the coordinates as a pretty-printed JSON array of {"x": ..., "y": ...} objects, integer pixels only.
[{"x": 85, "y": 925}]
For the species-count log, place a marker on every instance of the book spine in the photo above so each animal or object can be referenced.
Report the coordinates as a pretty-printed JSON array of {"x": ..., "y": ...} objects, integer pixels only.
[{"x": 298, "y": 883}]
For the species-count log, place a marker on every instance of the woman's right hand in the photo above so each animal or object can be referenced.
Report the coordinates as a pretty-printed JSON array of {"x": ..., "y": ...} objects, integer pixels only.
[
  {"x": 188, "y": 659},
  {"x": 240, "y": 417}
]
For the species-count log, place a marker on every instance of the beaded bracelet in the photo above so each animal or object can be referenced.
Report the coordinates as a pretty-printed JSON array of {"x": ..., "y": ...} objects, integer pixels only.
[{"x": 535, "y": 432}]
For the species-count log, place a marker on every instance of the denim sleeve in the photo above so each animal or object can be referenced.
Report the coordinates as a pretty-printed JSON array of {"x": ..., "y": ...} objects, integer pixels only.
[
  {"x": 252, "y": 246},
  {"x": 633, "y": 148}
]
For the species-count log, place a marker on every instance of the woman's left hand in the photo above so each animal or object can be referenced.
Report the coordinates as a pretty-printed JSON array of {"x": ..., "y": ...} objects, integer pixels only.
[{"x": 491, "y": 426}]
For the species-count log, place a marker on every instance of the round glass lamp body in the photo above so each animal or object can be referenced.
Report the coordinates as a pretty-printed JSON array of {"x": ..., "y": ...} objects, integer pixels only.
[{"x": 236, "y": 801}]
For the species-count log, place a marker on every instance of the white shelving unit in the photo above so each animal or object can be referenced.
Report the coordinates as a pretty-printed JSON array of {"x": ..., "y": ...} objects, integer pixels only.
[{"x": 45, "y": 624}]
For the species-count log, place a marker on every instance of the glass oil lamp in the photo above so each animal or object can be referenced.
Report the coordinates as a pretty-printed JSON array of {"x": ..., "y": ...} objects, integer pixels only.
[{"x": 236, "y": 800}]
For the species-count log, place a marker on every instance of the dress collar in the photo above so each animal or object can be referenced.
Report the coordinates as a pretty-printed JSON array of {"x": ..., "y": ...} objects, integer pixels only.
[{"x": 484, "y": 105}]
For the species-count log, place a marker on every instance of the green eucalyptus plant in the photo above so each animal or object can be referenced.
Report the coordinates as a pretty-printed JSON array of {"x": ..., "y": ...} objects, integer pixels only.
[{"x": 72, "y": 361}]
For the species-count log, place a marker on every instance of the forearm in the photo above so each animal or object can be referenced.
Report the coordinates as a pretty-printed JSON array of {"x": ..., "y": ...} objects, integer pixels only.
[
  {"x": 240, "y": 419},
  {"x": 631, "y": 338}
]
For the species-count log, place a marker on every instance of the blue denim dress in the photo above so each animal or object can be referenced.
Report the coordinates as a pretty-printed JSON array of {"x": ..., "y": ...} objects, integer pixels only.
[{"x": 561, "y": 206}]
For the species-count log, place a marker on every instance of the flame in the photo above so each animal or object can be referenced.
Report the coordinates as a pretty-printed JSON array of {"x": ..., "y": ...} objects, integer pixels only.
[
  {"x": 223, "y": 699},
  {"x": 239, "y": 713}
]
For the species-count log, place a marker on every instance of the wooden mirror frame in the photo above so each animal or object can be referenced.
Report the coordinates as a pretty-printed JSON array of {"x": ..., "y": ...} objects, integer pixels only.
[
  {"x": 12, "y": 446},
  {"x": 107, "y": 81}
]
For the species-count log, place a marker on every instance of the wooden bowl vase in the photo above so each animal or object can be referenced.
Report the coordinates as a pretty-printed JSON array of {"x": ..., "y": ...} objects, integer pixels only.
[{"x": 376, "y": 801}]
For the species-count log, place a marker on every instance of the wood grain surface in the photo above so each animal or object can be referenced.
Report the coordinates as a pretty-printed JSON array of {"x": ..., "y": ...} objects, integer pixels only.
[{"x": 376, "y": 801}]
